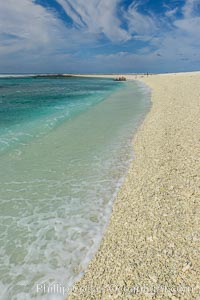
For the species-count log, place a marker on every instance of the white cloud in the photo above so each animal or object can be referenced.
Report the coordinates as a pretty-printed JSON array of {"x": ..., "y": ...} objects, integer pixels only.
[
  {"x": 189, "y": 9},
  {"x": 170, "y": 50},
  {"x": 97, "y": 16},
  {"x": 27, "y": 26},
  {"x": 189, "y": 25},
  {"x": 32, "y": 36},
  {"x": 170, "y": 13},
  {"x": 138, "y": 23}
]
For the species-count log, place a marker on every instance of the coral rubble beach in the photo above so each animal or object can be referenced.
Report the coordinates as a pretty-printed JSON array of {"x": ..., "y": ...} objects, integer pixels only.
[{"x": 150, "y": 249}]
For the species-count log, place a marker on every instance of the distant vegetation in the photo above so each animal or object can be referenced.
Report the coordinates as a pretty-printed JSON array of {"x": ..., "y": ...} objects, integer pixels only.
[{"x": 51, "y": 76}]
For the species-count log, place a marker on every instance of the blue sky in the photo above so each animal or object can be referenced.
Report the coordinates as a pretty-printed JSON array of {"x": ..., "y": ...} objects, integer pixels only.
[{"x": 102, "y": 36}]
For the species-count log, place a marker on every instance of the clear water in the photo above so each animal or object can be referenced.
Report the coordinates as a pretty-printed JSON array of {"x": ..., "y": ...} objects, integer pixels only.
[
  {"x": 31, "y": 107},
  {"x": 65, "y": 145}
]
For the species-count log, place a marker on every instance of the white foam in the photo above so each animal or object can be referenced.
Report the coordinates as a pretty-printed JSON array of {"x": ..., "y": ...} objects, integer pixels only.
[{"x": 15, "y": 75}]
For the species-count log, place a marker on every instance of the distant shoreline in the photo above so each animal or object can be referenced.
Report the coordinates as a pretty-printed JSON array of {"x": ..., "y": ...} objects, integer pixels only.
[{"x": 107, "y": 75}]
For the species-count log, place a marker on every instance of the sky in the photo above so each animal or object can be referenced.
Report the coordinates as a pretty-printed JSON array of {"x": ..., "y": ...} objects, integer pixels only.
[{"x": 99, "y": 36}]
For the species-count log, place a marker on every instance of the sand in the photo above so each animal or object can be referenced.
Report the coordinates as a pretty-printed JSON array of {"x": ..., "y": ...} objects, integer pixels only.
[{"x": 151, "y": 247}]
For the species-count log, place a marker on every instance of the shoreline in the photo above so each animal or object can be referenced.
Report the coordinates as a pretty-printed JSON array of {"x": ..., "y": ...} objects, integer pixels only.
[{"x": 153, "y": 233}]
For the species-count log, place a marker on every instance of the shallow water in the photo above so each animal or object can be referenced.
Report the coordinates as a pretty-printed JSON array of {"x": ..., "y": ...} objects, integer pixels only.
[{"x": 68, "y": 146}]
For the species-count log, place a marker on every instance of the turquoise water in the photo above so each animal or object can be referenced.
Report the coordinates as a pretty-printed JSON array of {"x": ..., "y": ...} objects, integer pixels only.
[
  {"x": 30, "y": 107},
  {"x": 65, "y": 145}
]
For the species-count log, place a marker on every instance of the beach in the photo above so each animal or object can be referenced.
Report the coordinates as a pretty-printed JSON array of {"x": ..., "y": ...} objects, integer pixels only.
[
  {"x": 61, "y": 169},
  {"x": 150, "y": 249}
]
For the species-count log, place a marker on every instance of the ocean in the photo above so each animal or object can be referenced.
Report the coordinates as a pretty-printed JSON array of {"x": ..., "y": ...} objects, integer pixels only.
[{"x": 65, "y": 148}]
